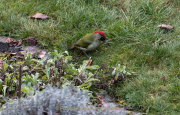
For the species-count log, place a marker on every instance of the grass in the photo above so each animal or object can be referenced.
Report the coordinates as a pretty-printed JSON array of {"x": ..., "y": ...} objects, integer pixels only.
[{"x": 130, "y": 27}]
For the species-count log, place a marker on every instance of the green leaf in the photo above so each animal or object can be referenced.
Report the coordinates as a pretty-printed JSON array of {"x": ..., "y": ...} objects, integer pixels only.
[
  {"x": 1, "y": 81},
  {"x": 66, "y": 52},
  {"x": 114, "y": 71},
  {"x": 35, "y": 77},
  {"x": 92, "y": 67},
  {"x": 5, "y": 65},
  {"x": 44, "y": 77},
  {"x": 25, "y": 89},
  {"x": 25, "y": 68},
  {"x": 116, "y": 77},
  {"x": 47, "y": 70},
  {"x": 4, "y": 89},
  {"x": 91, "y": 79}
]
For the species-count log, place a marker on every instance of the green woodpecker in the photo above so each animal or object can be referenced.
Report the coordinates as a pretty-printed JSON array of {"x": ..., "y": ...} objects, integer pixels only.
[{"x": 90, "y": 41}]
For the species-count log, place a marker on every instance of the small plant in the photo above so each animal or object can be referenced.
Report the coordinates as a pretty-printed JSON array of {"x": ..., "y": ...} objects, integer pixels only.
[{"x": 57, "y": 70}]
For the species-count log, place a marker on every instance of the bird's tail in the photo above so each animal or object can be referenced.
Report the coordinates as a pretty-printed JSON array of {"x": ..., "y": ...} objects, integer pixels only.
[{"x": 71, "y": 47}]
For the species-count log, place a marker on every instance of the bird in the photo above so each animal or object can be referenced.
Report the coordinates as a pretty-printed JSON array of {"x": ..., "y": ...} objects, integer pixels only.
[{"x": 90, "y": 42}]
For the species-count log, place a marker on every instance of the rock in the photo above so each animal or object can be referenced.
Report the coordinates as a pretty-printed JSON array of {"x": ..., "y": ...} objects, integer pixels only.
[
  {"x": 107, "y": 98},
  {"x": 14, "y": 49},
  {"x": 30, "y": 48},
  {"x": 36, "y": 49},
  {"x": 3, "y": 45}
]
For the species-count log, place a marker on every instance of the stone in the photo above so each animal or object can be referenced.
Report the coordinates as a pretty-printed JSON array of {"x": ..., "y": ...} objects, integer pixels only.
[
  {"x": 3, "y": 45},
  {"x": 14, "y": 49}
]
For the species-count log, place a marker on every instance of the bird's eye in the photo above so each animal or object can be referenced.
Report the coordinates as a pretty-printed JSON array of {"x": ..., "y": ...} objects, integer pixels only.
[{"x": 102, "y": 38}]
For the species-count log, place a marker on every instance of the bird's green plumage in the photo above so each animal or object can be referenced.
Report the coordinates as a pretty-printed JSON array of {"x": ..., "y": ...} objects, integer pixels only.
[
  {"x": 88, "y": 43},
  {"x": 85, "y": 41}
]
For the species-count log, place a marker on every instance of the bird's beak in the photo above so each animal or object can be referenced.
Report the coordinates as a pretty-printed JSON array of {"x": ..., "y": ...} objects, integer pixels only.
[{"x": 106, "y": 42}]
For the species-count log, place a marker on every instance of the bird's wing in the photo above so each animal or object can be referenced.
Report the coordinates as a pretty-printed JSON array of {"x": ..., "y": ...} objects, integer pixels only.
[{"x": 85, "y": 41}]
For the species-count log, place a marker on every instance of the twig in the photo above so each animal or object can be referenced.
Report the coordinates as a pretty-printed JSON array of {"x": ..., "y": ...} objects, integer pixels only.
[{"x": 20, "y": 75}]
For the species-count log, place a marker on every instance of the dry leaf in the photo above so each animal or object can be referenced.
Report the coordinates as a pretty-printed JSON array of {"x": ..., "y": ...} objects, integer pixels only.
[
  {"x": 89, "y": 62},
  {"x": 120, "y": 77},
  {"x": 20, "y": 54},
  {"x": 9, "y": 40},
  {"x": 42, "y": 54},
  {"x": 163, "y": 78},
  {"x": 15, "y": 53},
  {"x": 19, "y": 42},
  {"x": 165, "y": 26},
  {"x": 38, "y": 16},
  {"x": 13, "y": 43},
  {"x": 119, "y": 102},
  {"x": 31, "y": 41},
  {"x": 1, "y": 62},
  {"x": 104, "y": 77}
]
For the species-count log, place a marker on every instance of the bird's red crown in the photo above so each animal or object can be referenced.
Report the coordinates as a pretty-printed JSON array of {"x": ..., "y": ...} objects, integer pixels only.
[{"x": 101, "y": 33}]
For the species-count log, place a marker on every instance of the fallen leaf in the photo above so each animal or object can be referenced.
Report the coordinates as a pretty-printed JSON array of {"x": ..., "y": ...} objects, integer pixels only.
[
  {"x": 165, "y": 26},
  {"x": 13, "y": 43},
  {"x": 89, "y": 62},
  {"x": 31, "y": 41},
  {"x": 104, "y": 78},
  {"x": 163, "y": 78},
  {"x": 42, "y": 54},
  {"x": 20, "y": 54},
  {"x": 120, "y": 77},
  {"x": 1, "y": 62},
  {"x": 9, "y": 40},
  {"x": 19, "y": 42},
  {"x": 15, "y": 53},
  {"x": 119, "y": 102},
  {"x": 38, "y": 16}
]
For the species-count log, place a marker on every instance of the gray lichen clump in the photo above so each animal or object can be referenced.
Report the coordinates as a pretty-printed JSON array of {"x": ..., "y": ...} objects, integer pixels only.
[{"x": 66, "y": 101}]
